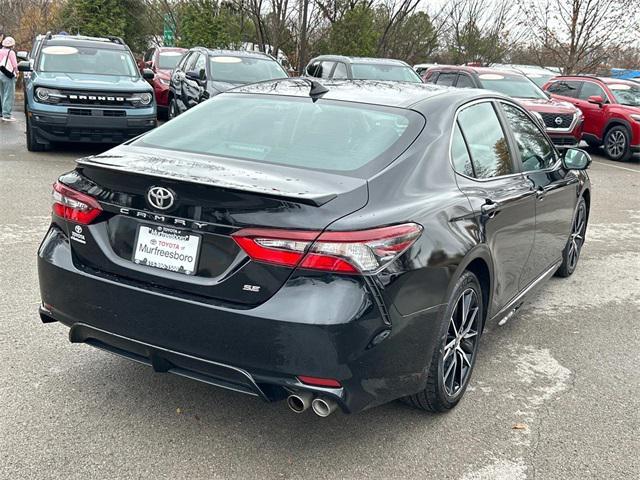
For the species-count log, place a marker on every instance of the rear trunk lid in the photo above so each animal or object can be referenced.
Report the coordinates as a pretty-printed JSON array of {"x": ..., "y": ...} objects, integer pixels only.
[{"x": 213, "y": 198}]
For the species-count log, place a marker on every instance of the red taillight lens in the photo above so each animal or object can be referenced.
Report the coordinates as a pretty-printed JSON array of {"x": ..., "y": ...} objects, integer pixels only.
[
  {"x": 365, "y": 251},
  {"x": 73, "y": 205},
  {"x": 319, "y": 382}
]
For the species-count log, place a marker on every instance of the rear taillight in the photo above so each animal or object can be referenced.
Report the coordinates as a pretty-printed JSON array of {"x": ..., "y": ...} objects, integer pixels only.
[
  {"x": 365, "y": 251},
  {"x": 73, "y": 205}
]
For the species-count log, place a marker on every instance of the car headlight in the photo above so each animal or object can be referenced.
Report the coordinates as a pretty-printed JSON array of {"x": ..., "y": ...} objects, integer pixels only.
[
  {"x": 636, "y": 117},
  {"x": 48, "y": 95},
  {"x": 145, "y": 98}
]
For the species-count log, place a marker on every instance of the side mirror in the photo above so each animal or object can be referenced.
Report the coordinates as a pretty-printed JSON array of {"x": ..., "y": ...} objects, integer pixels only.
[
  {"x": 22, "y": 55},
  {"x": 597, "y": 99},
  {"x": 199, "y": 76},
  {"x": 24, "y": 66},
  {"x": 148, "y": 74},
  {"x": 576, "y": 159}
]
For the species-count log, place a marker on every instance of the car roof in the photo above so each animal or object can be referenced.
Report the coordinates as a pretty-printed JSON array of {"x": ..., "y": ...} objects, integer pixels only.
[
  {"x": 386, "y": 93},
  {"x": 507, "y": 72},
  {"x": 368, "y": 60},
  {"x": 82, "y": 41},
  {"x": 233, "y": 53},
  {"x": 606, "y": 80}
]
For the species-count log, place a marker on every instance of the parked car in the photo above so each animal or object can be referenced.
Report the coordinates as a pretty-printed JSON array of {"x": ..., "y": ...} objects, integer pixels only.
[
  {"x": 203, "y": 73},
  {"x": 611, "y": 109},
  {"x": 562, "y": 121},
  {"x": 85, "y": 89},
  {"x": 293, "y": 240},
  {"x": 537, "y": 75},
  {"x": 338, "y": 67},
  {"x": 162, "y": 61},
  {"x": 420, "y": 68}
]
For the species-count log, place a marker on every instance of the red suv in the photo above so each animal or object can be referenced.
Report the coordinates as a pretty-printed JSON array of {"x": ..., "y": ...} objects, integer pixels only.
[
  {"x": 162, "y": 60},
  {"x": 611, "y": 109},
  {"x": 562, "y": 121}
]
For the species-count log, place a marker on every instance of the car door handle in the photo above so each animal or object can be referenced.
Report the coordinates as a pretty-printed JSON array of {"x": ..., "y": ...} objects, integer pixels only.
[{"x": 489, "y": 209}]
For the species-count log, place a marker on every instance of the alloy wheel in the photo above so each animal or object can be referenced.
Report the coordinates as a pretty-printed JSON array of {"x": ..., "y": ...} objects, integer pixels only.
[
  {"x": 576, "y": 239},
  {"x": 616, "y": 143},
  {"x": 461, "y": 343}
]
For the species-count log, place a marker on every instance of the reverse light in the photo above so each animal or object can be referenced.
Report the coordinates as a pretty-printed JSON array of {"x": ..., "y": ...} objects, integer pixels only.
[
  {"x": 364, "y": 251},
  {"x": 73, "y": 205}
]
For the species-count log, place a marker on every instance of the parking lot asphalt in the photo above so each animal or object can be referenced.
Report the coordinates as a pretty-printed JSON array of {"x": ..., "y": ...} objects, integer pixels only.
[{"x": 555, "y": 393}]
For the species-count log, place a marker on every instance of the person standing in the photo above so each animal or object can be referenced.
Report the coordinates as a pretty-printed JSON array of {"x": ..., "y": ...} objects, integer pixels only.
[{"x": 8, "y": 72}]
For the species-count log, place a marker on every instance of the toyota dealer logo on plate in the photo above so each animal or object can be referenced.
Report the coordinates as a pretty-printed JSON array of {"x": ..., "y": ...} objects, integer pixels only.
[{"x": 160, "y": 198}]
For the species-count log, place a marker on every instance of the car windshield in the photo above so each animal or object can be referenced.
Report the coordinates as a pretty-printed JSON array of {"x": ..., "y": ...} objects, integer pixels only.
[
  {"x": 380, "y": 71},
  {"x": 168, "y": 60},
  {"x": 244, "y": 69},
  {"x": 511, "y": 85},
  {"x": 293, "y": 131},
  {"x": 540, "y": 78},
  {"x": 91, "y": 60},
  {"x": 626, "y": 94}
]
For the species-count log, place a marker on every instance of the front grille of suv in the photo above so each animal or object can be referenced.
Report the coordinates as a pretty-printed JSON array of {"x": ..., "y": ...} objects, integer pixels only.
[
  {"x": 550, "y": 119},
  {"x": 97, "y": 99}
]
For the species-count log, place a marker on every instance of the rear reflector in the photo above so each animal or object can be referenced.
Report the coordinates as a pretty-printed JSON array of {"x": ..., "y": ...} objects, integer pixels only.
[
  {"x": 73, "y": 205},
  {"x": 365, "y": 251},
  {"x": 320, "y": 382}
]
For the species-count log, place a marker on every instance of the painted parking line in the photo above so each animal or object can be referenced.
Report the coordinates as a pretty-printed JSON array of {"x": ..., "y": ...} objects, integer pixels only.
[{"x": 616, "y": 166}]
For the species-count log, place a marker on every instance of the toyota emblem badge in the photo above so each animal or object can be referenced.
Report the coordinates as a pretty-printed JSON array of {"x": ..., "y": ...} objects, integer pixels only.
[{"x": 160, "y": 198}]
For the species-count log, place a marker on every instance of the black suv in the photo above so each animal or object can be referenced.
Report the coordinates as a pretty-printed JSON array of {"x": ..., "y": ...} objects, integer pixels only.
[
  {"x": 204, "y": 73},
  {"x": 85, "y": 89},
  {"x": 339, "y": 67}
]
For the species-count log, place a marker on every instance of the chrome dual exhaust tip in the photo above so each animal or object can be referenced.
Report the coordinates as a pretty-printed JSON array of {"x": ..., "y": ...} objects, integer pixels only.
[
  {"x": 323, "y": 407},
  {"x": 299, "y": 402}
]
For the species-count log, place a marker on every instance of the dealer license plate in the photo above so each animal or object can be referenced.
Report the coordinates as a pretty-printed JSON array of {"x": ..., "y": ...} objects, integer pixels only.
[{"x": 167, "y": 248}]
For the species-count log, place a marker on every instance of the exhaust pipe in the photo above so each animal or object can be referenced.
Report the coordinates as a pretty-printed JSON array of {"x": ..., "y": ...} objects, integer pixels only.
[
  {"x": 299, "y": 402},
  {"x": 323, "y": 407}
]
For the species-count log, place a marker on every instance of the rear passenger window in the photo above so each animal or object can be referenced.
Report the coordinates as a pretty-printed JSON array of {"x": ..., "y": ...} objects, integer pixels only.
[
  {"x": 324, "y": 70},
  {"x": 486, "y": 141},
  {"x": 446, "y": 79},
  {"x": 464, "y": 81},
  {"x": 459, "y": 154},
  {"x": 566, "y": 88},
  {"x": 340, "y": 73}
]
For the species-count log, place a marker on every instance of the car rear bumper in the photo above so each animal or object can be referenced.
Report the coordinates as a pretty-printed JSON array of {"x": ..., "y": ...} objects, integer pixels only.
[
  {"x": 258, "y": 351},
  {"x": 92, "y": 126}
]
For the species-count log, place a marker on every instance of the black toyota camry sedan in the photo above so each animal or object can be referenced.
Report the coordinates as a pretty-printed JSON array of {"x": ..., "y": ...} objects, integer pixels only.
[{"x": 337, "y": 245}]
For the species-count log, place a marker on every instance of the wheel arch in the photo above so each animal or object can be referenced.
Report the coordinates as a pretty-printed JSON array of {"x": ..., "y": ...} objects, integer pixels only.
[
  {"x": 617, "y": 122},
  {"x": 479, "y": 262}
]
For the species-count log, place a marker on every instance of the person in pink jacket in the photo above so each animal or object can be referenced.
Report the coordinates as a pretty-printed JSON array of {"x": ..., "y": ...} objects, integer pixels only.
[{"x": 8, "y": 73}]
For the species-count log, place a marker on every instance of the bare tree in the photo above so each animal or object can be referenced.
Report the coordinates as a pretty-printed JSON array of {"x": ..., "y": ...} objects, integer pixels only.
[{"x": 578, "y": 35}]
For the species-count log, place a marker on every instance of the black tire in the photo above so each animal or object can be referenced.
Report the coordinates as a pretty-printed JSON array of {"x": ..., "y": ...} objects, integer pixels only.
[
  {"x": 173, "y": 111},
  {"x": 32, "y": 139},
  {"x": 571, "y": 252},
  {"x": 617, "y": 143},
  {"x": 442, "y": 392}
]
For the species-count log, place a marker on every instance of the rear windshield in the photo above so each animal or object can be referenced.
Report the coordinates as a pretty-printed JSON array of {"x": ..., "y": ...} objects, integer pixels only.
[
  {"x": 244, "y": 69},
  {"x": 512, "y": 86},
  {"x": 169, "y": 60},
  {"x": 376, "y": 71},
  {"x": 94, "y": 61},
  {"x": 326, "y": 135}
]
